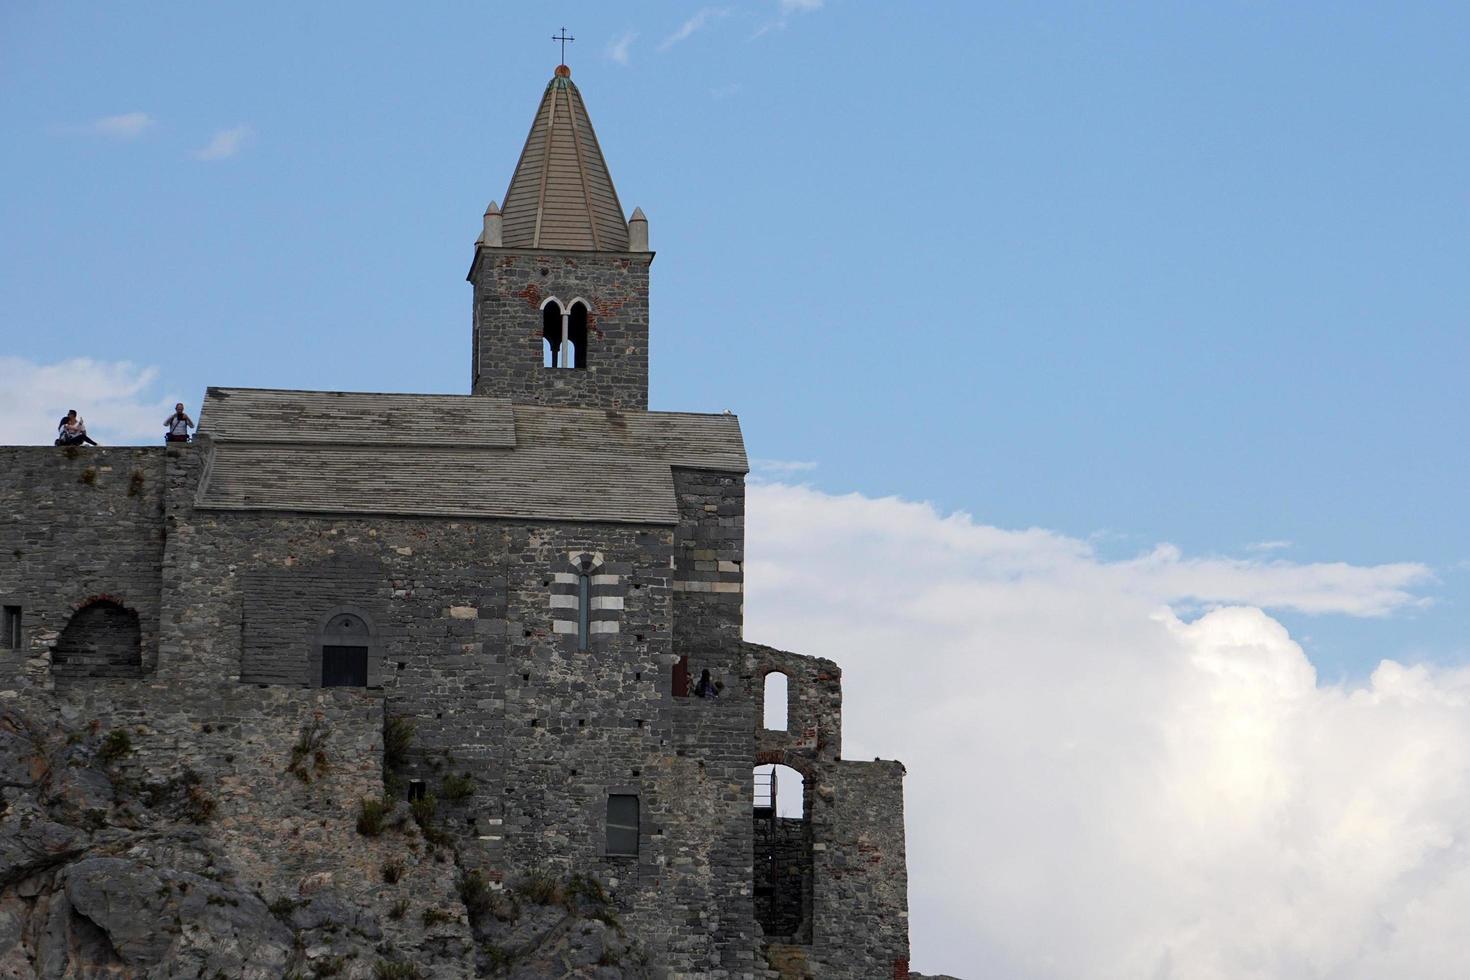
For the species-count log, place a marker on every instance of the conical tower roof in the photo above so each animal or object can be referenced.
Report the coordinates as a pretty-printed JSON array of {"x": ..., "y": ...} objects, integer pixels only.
[{"x": 561, "y": 195}]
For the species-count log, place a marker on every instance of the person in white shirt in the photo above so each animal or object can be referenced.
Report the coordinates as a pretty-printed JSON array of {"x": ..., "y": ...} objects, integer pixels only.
[{"x": 178, "y": 425}]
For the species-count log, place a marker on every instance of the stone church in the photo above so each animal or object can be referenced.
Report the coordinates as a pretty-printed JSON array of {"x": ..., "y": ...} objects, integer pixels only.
[{"x": 505, "y": 601}]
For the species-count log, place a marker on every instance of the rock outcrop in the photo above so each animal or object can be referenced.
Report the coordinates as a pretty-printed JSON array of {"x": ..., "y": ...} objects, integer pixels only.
[{"x": 102, "y": 877}]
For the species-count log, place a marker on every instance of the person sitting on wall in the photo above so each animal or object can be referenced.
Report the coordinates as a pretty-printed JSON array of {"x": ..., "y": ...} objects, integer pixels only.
[
  {"x": 706, "y": 688},
  {"x": 72, "y": 431},
  {"x": 178, "y": 425}
]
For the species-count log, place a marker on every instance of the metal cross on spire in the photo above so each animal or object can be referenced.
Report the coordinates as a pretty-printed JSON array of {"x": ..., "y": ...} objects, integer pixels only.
[{"x": 563, "y": 37}]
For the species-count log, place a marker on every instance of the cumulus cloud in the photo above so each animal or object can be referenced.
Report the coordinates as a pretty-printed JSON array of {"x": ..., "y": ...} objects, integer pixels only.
[
  {"x": 224, "y": 144},
  {"x": 619, "y": 48},
  {"x": 781, "y": 467},
  {"x": 126, "y": 126},
  {"x": 1124, "y": 769},
  {"x": 701, "y": 19},
  {"x": 115, "y": 399}
]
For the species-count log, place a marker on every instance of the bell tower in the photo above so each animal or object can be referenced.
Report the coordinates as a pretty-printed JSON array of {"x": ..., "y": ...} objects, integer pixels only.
[{"x": 560, "y": 276}]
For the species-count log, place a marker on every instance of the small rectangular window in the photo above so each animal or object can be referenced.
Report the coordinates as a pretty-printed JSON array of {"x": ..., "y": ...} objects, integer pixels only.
[
  {"x": 10, "y": 628},
  {"x": 344, "y": 666},
  {"x": 622, "y": 825}
]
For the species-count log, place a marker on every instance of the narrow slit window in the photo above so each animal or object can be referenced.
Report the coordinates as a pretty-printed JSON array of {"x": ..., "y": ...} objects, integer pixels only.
[
  {"x": 584, "y": 613},
  {"x": 775, "y": 702},
  {"x": 622, "y": 825},
  {"x": 10, "y": 628}
]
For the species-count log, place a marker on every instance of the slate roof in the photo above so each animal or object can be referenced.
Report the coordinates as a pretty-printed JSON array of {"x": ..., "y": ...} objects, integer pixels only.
[
  {"x": 452, "y": 456},
  {"x": 561, "y": 195}
]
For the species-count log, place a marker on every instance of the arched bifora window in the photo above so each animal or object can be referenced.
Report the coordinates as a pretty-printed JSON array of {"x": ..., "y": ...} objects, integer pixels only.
[
  {"x": 564, "y": 335},
  {"x": 347, "y": 645}
]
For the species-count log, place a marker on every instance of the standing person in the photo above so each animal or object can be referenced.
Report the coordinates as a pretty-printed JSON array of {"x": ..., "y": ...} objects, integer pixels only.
[
  {"x": 178, "y": 425},
  {"x": 706, "y": 687}
]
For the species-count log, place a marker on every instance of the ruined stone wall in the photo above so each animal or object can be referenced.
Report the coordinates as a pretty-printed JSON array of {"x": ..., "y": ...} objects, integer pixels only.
[
  {"x": 509, "y": 287},
  {"x": 813, "y": 702},
  {"x": 860, "y": 928},
  {"x": 783, "y": 877},
  {"x": 77, "y": 525}
]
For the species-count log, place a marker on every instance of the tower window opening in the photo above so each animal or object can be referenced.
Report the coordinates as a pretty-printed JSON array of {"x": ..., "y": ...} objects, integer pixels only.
[
  {"x": 577, "y": 334},
  {"x": 775, "y": 702},
  {"x": 551, "y": 332},
  {"x": 584, "y": 614}
]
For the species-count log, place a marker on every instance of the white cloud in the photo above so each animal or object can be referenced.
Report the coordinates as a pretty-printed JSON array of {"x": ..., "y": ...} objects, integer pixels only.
[
  {"x": 115, "y": 399},
  {"x": 619, "y": 47},
  {"x": 701, "y": 19},
  {"x": 1099, "y": 788},
  {"x": 781, "y": 467},
  {"x": 127, "y": 126},
  {"x": 1268, "y": 546},
  {"x": 224, "y": 144},
  {"x": 786, "y": 8}
]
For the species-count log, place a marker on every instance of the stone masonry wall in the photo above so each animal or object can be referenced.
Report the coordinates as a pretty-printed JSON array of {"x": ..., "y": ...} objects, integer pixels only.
[
  {"x": 471, "y": 616},
  {"x": 813, "y": 702},
  {"x": 860, "y": 872},
  {"x": 510, "y": 286},
  {"x": 78, "y": 525},
  {"x": 709, "y": 575}
]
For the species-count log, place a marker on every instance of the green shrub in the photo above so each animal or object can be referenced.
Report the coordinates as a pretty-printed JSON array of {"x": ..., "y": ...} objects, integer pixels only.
[
  {"x": 392, "y": 871},
  {"x": 117, "y": 744},
  {"x": 399, "y": 909},
  {"x": 397, "y": 739},
  {"x": 396, "y": 970},
  {"x": 458, "y": 787},
  {"x": 282, "y": 907},
  {"x": 475, "y": 892},
  {"x": 540, "y": 889},
  {"x": 372, "y": 816},
  {"x": 435, "y": 917},
  {"x": 424, "y": 809},
  {"x": 308, "y": 756}
]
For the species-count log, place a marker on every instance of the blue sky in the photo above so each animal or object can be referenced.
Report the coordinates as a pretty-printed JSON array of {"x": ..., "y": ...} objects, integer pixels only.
[{"x": 1135, "y": 274}]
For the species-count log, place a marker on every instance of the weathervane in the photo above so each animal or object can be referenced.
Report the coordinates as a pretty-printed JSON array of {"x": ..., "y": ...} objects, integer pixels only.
[{"x": 563, "y": 38}]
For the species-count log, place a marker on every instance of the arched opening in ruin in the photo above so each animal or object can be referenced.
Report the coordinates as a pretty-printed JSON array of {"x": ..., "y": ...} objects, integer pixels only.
[
  {"x": 102, "y": 639},
  {"x": 774, "y": 716},
  {"x": 782, "y": 858}
]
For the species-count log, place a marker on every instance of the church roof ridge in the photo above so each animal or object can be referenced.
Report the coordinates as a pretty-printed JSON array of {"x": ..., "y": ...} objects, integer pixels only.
[{"x": 561, "y": 194}]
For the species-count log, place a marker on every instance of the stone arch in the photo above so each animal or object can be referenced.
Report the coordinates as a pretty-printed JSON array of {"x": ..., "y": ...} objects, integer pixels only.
[{"x": 103, "y": 638}]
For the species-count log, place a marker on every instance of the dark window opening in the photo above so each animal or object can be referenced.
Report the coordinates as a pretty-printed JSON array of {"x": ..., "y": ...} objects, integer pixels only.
[
  {"x": 577, "y": 329},
  {"x": 584, "y": 616},
  {"x": 344, "y": 666},
  {"x": 417, "y": 790},
  {"x": 101, "y": 640},
  {"x": 10, "y": 627},
  {"x": 681, "y": 677},
  {"x": 551, "y": 334},
  {"x": 622, "y": 825}
]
